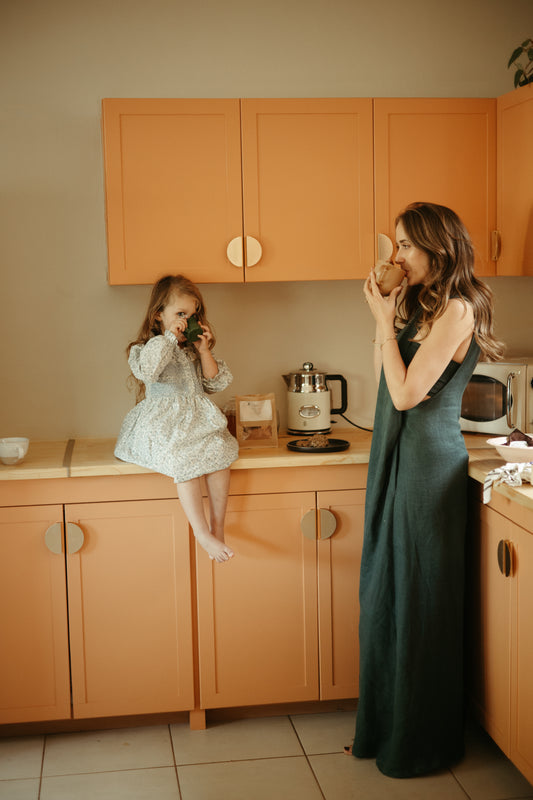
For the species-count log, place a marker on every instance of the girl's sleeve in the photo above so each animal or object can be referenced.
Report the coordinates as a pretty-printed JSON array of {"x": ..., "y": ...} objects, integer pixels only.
[
  {"x": 147, "y": 361},
  {"x": 222, "y": 379}
]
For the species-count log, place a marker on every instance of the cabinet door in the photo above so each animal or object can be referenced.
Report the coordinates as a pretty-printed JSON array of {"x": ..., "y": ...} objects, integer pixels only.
[
  {"x": 339, "y": 563},
  {"x": 34, "y": 667},
  {"x": 257, "y": 613},
  {"x": 308, "y": 187},
  {"x": 440, "y": 151},
  {"x": 130, "y": 608},
  {"x": 489, "y": 609},
  {"x": 522, "y": 649},
  {"x": 173, "y": 188},
  {"x": 515, "y": 181}
]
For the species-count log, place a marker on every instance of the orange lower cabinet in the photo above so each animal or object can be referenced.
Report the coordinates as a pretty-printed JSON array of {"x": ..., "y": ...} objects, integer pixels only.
[
  {"x": 489, "y": 609},
  {"x": 522, "y": 653},
  {"x": 34, "y": 666},
  {"x": 129, "y": 608},
  {"x": 501, "y": 607},
  {"x": 339, "y": 560},
  {"x": 257, "y": 614}
]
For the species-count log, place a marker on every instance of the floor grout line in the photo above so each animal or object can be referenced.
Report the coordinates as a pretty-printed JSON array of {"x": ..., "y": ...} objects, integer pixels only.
[
  {"x": 460, "y": 785},
  {"x": 42, "y": 769},
  {"x": 40, "y": 779},
  {"x": 307, "y": 758},
  {"x": 175, "y": 764}
]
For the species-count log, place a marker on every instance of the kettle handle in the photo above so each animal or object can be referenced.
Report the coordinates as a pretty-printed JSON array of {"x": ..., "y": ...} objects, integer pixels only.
[{"x": 344, "y": 393}]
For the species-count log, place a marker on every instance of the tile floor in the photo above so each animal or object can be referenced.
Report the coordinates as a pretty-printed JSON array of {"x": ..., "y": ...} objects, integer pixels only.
[{"x": 295, "y": 757}]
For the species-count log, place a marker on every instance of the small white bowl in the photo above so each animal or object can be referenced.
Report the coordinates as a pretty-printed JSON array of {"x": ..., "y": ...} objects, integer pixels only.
[
  {"x": 13, "y": 449},
  {"x": 513, "y": 455}
]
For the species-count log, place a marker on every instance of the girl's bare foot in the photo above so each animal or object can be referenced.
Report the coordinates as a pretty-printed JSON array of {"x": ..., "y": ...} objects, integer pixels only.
[{"x": 217, "y": 550}]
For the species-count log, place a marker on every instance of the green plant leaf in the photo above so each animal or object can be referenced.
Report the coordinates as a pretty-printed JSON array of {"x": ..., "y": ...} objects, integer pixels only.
[
  {"x": 516, "y": 53},
  {"x": 530, "y": 53},
  {"x": 525, "y": 44},
  {"x": 517, "y": 76}
]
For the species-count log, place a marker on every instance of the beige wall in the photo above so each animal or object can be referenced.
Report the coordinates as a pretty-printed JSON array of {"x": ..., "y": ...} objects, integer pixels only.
[{"x": 63, "y": 329}]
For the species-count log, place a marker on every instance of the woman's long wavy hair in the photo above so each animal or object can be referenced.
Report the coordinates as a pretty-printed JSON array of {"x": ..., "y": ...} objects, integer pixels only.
[
  {"x": 162, "y": 294},
  {"x": 438, "y": 231}
]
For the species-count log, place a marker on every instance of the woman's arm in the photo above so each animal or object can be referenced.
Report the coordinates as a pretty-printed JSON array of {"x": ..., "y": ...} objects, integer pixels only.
[
  {"x": 378, "y": 361},
  {"x": 409, "y": 386}
]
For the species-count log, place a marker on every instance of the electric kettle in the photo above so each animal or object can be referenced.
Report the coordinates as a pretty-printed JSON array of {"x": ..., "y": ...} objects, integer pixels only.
[{"x": 309, "y": 400}]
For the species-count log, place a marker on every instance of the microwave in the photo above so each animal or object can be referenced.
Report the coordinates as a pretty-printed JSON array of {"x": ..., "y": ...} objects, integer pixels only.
[{"x": 499, "y": 397}]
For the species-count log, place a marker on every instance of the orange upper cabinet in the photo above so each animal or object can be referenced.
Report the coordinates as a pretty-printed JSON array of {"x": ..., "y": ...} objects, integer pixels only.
[
  {"x": 308, "y": 188},
  {"x": 441, "y": 151},
  {"x": 515, "y": 181},
  {"x": 173, "y": 188}
]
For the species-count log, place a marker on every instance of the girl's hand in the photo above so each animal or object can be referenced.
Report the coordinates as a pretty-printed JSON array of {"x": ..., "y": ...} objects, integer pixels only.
[
  {"x": 177, "y": 327},
  {"x": 203, "y": 341}
]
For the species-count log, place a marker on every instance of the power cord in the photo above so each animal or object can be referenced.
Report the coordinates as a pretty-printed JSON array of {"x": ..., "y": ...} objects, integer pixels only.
[{"x": 355, "y": 424}]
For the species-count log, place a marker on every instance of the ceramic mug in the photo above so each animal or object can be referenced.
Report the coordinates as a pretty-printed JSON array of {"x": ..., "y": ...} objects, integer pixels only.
[{"x": 13, "y": 449}]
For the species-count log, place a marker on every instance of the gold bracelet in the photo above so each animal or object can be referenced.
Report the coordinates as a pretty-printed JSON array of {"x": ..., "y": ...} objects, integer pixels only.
[{"x": 388, "y": 339}]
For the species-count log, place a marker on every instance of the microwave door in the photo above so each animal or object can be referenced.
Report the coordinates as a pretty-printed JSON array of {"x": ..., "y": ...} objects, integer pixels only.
[{"x": 491, "y": 404}]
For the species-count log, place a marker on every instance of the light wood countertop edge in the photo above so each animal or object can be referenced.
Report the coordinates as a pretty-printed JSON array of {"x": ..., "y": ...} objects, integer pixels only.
[{"x": 83, "y": 458}]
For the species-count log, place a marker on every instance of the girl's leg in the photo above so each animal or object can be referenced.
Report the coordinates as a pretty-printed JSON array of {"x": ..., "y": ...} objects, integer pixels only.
[
  {"x": 190, "y": 495},
  {"x": 217, "y": 491}
]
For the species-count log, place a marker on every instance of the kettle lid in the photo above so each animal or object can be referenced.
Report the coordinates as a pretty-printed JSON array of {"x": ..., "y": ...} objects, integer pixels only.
[
  {"x": 306, "y": 379},
  {"x": 308, "y": 368}
]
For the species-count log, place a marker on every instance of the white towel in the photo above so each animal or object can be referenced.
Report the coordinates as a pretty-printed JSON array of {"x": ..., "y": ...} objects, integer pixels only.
[{"x": 512, "y": 474}]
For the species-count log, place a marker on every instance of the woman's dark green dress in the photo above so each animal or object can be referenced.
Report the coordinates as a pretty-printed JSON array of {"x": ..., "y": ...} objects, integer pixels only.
[{"x": 410, "y": 710}]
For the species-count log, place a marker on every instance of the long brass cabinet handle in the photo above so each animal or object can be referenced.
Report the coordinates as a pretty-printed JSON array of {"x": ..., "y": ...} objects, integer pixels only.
[
  {"x": 505, "y": 557},
  {"x": 75, "y": 538},
  {"x": 53, "y": 538},
  {"x": 509, "y": 399},
  {"x": 496, "y": 245}
]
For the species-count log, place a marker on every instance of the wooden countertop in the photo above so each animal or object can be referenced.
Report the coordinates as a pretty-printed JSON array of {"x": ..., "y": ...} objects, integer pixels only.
[
  {"x": 95, "y": 456},
  {"x": 43, "y": 460},
  {"x": 73, "y": 458}
]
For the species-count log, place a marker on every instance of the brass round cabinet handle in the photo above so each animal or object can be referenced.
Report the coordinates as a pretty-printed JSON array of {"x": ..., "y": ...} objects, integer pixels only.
[
  {"x": 75, "y": 538},
  {"x": 328, "y": 523},
  {"x": 254, "y": 251},
  {"x": 53, "y": 538},
  {"x": 308, "y": 525},
  {"x": 234, "y": 252}
]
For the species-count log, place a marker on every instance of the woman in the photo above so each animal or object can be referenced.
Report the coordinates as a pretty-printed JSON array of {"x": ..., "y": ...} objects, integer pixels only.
[{"x": 410, "y": 710}]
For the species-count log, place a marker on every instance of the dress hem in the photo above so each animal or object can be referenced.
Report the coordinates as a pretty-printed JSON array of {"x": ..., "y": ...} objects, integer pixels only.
[{"x": 168, "y": 474}]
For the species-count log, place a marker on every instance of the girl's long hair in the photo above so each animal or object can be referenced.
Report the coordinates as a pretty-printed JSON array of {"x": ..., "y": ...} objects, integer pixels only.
[
  {"x": 162, "y": 293},
  {"x": 438, "y": 231}
]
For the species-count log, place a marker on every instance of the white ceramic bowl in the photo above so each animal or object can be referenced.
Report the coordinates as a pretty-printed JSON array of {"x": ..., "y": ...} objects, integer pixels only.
[
  {"x": 511, "y": 454},
  {"x": 13, "y": 449}
]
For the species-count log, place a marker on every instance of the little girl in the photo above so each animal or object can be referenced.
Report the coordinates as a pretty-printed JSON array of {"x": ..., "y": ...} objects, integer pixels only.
[{"x": 175, "y": 428}]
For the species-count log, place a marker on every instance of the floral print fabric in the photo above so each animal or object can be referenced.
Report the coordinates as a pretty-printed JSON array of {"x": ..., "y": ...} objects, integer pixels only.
[{"x": 177, "y": 429}]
